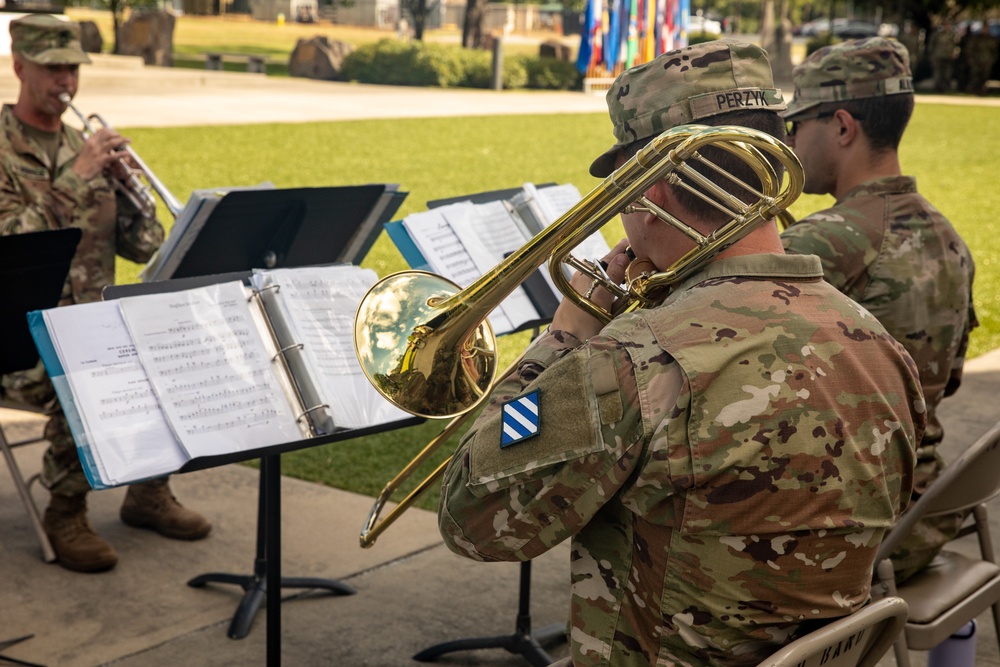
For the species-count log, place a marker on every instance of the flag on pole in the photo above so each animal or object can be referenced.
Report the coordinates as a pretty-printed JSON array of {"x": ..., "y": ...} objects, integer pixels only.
[
  {"x": 633, "y": 33},
  {"x": 588, "y": 35}
]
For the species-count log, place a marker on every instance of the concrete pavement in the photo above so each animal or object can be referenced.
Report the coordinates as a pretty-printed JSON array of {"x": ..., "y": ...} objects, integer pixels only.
[{"x": 412, "y": 592}]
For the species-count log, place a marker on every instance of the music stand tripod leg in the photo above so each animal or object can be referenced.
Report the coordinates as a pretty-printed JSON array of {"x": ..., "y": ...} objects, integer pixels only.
[
  {"x": 255, "y": 585},
  {"x": 5, "y": 643},
  {"x": 523, "y": 642}
]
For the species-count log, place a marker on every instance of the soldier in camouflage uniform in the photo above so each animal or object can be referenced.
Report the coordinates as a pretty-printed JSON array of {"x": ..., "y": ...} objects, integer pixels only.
[
  {"x": 50, "y": 178},
  {"x": 980, "y": 53},
  {"x": 943, "y": 49},
  {"x": 882, "y": 244},
  {"x": 725, "y": 463}
]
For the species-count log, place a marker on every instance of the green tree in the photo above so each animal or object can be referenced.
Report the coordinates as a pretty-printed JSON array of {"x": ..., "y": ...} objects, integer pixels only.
[{"x": 419, "y": 10}]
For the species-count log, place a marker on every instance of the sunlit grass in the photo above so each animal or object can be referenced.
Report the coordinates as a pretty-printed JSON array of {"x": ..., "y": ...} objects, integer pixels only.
[{"x": 950, "y": 149}]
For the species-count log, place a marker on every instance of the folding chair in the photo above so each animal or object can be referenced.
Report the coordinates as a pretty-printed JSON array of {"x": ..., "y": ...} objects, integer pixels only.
[
  {"x": 858, "y": 640},
  {"x": 954, "y": 588},
  {"x": 33, "y": 269}
]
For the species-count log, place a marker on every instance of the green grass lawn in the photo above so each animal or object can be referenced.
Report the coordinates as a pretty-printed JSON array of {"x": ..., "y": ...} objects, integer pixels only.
[{"x": 951, "y": 150}]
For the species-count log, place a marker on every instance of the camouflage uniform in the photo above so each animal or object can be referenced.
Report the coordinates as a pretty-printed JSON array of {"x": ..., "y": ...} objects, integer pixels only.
[
  {"x": 943, "y": 48},
  {"x": 980, "y": 54},
  {"x": 725, "y": 463},
  {"x": 889, "y": 249},
  {"x": 35, "y": 195}
]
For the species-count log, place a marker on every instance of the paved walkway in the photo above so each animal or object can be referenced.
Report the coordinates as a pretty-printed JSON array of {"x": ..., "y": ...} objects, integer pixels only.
[{"x": 412, "y": 592}]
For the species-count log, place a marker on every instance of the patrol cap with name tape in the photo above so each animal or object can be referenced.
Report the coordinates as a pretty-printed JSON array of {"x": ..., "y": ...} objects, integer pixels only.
[
  {"x": 685, "y": 86},
  {"x": 47, "y": 40},
  {"x": 860, "y": 68}
]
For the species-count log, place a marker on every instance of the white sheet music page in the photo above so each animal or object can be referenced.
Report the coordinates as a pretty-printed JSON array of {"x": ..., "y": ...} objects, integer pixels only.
[
  {"x": 210, "y": 368},
  {"x": 318, "y": 305},
  {"x": 128, "y": 435},
  {"x": 443, "y": 249},
  {"x": 554, "y": 201},
  {"x": 489, "y": 233}
]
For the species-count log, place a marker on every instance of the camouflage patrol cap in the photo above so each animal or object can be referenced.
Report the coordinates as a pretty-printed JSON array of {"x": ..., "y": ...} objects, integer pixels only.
[
  {"x": 46, "y": 40},
  {"x": 870, "y": 67},
  {"x": 685, "y": 86}
]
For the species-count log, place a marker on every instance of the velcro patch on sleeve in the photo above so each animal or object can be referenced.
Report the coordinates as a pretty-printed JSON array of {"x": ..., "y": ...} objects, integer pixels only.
[
  {"x": 566, "y": 428},
  {"x": 605, "y": 379}
]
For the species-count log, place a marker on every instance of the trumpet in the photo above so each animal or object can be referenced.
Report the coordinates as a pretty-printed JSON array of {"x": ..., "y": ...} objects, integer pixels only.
[
  {"x": 426, "y": 345},
  {"x": 132, "y": 185}
]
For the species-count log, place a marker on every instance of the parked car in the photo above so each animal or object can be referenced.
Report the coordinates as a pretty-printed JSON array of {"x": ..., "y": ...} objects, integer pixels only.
[
  {"x": 842, "y": 28},
  {"x": 854, "y": 29}
]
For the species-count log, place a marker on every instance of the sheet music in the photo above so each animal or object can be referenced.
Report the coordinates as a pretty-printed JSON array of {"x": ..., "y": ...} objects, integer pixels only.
[
  {"x": 443, "y": 249},
  {"x": 210, "y": 369},
  {"x": 489, "y": 233},
  {"x": 126, "y": 431},
  {"x": 547, "y": 205},
  {"x": 317, "y": 305}
]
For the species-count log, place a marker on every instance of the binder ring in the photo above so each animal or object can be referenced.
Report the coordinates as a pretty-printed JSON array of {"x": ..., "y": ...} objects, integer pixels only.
[
  {"x": 256, "y": 293},
  {"x": 286, "y": 349},
  {"x": 315, "y": 407}
]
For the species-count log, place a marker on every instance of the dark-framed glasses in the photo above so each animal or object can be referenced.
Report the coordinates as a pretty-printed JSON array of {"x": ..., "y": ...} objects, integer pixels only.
[{"x": 792, "y": 126}]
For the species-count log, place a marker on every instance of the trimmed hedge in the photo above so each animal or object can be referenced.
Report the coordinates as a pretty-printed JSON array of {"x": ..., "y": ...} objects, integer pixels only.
[{"x": 392, "y": 62}]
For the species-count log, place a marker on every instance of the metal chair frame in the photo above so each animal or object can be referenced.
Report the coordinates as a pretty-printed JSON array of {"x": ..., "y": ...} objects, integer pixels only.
[{"x": 966, "y": 484}]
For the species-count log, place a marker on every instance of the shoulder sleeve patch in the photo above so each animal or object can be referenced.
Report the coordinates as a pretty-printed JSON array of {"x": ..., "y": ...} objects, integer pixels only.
[{"x": 566, "y": 429}]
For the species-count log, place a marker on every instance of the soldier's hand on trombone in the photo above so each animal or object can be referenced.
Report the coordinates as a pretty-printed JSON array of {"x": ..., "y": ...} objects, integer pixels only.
[
  {"x": 572, "y": 319},
  {"x": 103, "y": 150}
]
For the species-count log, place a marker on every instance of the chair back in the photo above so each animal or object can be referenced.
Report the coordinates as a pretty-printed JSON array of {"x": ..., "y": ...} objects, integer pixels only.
[
  {"x": 858, "y": 640},
  {"x": 972, "y": 479}
]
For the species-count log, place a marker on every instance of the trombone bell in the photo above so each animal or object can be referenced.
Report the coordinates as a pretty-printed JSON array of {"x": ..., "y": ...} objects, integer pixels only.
[{"x": 436, "y": 376}]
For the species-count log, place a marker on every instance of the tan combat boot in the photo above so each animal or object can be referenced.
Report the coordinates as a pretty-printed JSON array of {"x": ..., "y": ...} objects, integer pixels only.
[
  {"x": 77, "y": 546},
  {"x": 152, "y": 505}
]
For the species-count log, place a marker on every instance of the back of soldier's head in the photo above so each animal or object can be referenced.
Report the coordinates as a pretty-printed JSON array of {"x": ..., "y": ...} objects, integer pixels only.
[{"x": 713, "y": 83}]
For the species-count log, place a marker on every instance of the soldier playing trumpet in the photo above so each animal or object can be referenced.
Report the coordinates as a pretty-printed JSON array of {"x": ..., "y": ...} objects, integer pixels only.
[{"x": 52, "y": 178}]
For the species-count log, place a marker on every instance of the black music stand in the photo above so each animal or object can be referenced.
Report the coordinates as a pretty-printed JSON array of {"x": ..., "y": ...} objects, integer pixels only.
[
  {"x": 279, "y": 228},
  {"x": 270, "y": 228},
  {"x": 33, "y": 269},
  {"x": 267, "y": 560},
  {"x": 523, "y": 641}
]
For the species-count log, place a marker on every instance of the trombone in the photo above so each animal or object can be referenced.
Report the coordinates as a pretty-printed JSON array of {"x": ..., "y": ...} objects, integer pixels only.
[
  {"x": 131, "y": 185},
  {"x": 426, "y": 345}
]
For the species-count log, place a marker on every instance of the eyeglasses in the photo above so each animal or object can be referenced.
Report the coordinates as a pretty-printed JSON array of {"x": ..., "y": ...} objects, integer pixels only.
[{"x": 792, "y": 126}]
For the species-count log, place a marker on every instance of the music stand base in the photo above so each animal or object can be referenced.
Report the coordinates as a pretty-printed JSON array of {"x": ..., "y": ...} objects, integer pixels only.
[
  {"x": 255, "y": 587},
  {"x": 523, "y": 642},
  {"x": 529, "y": 646},
  {"x": 6, "y": 643}
]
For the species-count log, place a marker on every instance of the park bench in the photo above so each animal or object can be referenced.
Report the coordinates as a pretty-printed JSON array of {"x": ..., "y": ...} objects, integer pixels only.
[{"x": 254, "y": 64}]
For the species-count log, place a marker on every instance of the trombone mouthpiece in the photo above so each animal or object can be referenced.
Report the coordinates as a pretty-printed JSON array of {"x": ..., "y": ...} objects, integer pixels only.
[{"x": 65, "y": 98}]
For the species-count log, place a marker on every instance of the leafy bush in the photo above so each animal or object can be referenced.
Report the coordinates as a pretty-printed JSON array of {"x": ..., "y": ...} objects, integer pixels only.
[
  {"x": 393, "y": 62},
  {"x": 701, "y": 37},
  {"x": 552, "y": 74}
]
